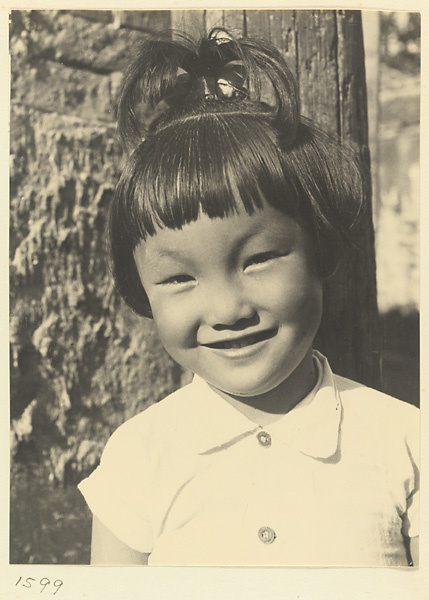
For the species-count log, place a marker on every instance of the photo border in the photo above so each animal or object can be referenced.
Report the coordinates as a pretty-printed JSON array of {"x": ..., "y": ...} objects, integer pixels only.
[{"x": 202, "y": 583}]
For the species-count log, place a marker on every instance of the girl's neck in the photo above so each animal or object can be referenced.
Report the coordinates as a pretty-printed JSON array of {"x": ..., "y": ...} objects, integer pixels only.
[{"x": 271, "y": 406}]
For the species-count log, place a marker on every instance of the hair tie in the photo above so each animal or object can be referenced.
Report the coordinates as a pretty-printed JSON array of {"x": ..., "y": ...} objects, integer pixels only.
[
  {"x": 214, "y": 73},
  {"x": 228, "y": 84}
]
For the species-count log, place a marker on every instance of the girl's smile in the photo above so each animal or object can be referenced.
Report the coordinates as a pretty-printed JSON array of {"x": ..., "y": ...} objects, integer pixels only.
[
  {"x": 237, "y": 301},
  {"x": 248, "y": 341}
]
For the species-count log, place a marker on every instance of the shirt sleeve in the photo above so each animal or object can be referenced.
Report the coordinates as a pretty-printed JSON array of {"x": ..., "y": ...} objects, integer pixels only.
[
  {"x": 411, "y": 517},
  {"x": 117, "y": 491}
]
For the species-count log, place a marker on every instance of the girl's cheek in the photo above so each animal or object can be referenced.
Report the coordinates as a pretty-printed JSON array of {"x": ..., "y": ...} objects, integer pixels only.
[
  {"x": 310, "y": 304},
  {"x": 174, "y": 320},
  {"x": 302, "y": 299}
]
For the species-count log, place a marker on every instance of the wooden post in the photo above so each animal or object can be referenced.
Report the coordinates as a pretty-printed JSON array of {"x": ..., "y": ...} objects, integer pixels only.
[{"x": 325, "y": 47}]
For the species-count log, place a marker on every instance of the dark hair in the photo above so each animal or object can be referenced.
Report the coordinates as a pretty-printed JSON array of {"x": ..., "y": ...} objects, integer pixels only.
[{"x": 216, "y": 149}]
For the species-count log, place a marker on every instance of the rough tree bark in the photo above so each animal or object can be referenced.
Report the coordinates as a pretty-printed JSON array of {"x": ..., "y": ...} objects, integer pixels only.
[
  {"x": 81, "y": 362},
  {"x": 325, "y": 47}
]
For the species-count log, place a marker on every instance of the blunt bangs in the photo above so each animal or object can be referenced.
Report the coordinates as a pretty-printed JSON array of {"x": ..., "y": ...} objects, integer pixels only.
[{"x": 212, "y": 164}]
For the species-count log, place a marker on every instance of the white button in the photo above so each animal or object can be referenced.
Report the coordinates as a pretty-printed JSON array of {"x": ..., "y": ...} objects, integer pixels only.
[
  {"x": 267, "y": 535},
  {"x": 264, "y": 438}
]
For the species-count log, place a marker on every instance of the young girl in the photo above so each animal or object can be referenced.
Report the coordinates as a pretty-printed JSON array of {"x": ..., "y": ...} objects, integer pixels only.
[{"x": 228, "y": 217}]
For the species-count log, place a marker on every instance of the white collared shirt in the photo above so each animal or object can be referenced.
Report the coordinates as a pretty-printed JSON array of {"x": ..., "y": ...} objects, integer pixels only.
[{"x": 334, "y": 482}]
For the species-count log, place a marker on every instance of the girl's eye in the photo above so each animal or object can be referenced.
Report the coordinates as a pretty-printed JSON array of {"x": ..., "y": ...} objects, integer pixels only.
[
  {"x": 176, "y": 280},
  {"x": 262, "y": 258}
]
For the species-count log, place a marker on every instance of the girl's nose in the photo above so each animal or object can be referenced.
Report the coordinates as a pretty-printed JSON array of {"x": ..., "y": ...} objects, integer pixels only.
[{"x": 227, "y": 305}]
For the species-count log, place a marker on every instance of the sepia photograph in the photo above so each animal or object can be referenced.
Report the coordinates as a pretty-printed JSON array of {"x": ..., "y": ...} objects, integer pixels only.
[{"x": 214, "y": 288}]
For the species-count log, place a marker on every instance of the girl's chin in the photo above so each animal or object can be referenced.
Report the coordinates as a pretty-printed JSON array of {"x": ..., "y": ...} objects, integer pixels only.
[{"x": 245, "y": 391}]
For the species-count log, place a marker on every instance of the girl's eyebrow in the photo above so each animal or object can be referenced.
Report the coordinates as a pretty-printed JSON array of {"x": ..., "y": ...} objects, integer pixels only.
[
  {"x": 165, "y": 257},
  {"x": 166, "y": 253}
]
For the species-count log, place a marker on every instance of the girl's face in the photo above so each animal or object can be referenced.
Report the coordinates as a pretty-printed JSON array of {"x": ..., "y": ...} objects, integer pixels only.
[{"x": 235, "y": 299}]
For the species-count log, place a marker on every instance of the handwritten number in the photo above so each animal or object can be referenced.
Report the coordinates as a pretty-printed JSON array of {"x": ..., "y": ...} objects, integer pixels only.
[
  {"x": 58, "y": 583},
  {"x": 44, "y": 582}
]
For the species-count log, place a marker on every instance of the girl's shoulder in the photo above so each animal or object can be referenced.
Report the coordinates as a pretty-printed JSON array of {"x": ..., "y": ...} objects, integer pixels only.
[
  {"x": 353, "y": 391},
  {"x": 139, "y": 447},
  {"x": 154, "y": 425},
  {"x": 365, "y": 402},
  {"x": 373, "y": 407}
]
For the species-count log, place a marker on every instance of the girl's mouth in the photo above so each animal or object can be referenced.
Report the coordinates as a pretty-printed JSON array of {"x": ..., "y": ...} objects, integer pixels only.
[{"x": 242, "y": 342}]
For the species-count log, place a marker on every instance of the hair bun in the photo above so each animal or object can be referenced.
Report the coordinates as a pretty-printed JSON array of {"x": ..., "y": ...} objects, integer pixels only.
[{"x": 173, "y": 68}]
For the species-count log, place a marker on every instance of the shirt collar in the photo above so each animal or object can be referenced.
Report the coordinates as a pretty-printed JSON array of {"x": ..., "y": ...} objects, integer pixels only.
[{"x": 311, "y": 427}]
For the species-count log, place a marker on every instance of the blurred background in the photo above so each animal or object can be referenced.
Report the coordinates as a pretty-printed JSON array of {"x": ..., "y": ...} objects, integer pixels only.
[{"x": 81, "y": 362}]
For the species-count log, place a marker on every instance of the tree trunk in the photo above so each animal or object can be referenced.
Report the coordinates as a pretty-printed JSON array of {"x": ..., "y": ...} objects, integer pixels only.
[
  {"x": 325, "y": 47},
  {"x": 81, "y": 362}
]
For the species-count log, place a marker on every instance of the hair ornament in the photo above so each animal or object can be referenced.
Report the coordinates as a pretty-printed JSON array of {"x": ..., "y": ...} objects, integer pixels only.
[
  {"x": 229, "y": 83},
  {"x": 174, "y": 69}
]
